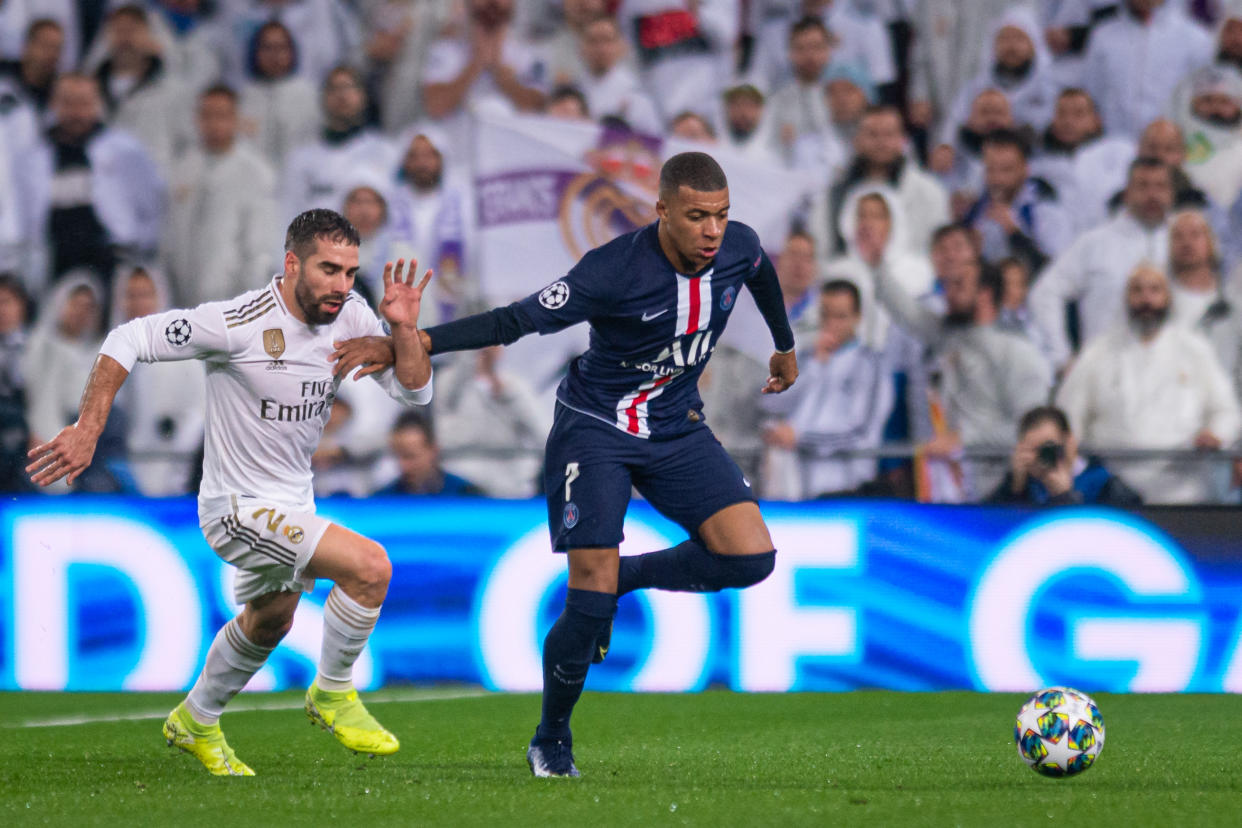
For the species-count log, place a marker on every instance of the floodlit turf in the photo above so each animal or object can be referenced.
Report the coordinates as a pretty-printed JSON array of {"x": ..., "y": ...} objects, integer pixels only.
[{"x": 716, "y": 758}]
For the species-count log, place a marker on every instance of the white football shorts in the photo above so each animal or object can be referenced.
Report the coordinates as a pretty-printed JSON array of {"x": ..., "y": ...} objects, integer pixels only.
[{"x": 269, "y": 544}]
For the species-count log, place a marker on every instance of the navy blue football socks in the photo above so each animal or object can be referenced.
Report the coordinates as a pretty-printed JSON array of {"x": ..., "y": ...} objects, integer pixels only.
[
  {"x": 567, "y": 652},
  {"x": 690, "y": 567}
]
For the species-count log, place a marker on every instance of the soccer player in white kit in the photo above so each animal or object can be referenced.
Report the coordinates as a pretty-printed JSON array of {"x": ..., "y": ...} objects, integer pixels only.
[{"x": 270, "y": 387}]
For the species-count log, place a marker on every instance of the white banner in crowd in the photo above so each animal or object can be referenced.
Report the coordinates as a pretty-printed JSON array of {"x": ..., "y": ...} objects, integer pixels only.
[{"x": 548, "y": 191}]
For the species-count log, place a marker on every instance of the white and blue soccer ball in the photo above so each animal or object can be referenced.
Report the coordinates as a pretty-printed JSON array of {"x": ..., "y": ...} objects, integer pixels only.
[{"x": 1059, "y": 732}]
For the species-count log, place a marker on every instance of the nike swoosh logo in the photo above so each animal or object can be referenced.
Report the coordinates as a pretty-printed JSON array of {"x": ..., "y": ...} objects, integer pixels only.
[{"x": 648, "y": 316}]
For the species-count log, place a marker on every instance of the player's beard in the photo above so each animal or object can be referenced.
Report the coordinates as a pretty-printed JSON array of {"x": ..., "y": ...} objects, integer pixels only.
[{"x": 311, "y": 304}]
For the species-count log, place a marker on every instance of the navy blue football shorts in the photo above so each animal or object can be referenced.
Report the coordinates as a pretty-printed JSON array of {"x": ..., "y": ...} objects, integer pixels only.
[{"x": 591, "y": 466}]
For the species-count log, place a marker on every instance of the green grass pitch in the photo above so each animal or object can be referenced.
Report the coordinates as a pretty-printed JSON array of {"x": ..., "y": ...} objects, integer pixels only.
[{"x": 713, "y": 758}]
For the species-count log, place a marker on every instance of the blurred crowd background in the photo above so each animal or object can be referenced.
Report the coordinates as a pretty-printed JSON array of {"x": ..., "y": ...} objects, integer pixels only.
[{"x": 1015, "y": 277}]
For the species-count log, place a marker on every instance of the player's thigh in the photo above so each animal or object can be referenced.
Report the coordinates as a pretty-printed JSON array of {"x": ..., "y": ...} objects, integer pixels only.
[
  {"x": 344, "y": 555},
  {"x": 587, "y": 483},
  {"x": 692, "y": 480},
  {"x": 270, "y": 545}
]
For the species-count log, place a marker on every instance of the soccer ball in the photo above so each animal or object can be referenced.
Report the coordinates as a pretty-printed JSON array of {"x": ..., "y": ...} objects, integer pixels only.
[{"x": 1060, "y": 732}]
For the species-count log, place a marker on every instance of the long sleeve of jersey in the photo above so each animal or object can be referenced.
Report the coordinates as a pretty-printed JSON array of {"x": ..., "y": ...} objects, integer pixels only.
[
  {"x": 766, "y": 289},
  {"x": 195, "y": 333},
  {"x": 572, "y": 299}
]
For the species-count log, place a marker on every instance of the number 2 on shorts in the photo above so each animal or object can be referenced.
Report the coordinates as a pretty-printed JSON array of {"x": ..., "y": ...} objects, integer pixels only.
[{"x": 571, "y": 474}]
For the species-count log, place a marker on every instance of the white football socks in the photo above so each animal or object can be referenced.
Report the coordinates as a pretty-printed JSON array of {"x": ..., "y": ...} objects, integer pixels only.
[
  {"x": 231, "y": 661},
  {"x": 346, "y": 627}
]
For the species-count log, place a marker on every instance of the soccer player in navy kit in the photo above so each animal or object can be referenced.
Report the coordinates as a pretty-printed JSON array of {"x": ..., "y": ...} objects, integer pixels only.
[{"x": 629, "y": 414}]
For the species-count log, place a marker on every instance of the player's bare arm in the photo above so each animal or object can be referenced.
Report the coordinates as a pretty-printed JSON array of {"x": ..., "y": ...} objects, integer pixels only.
[
  {"x": 783, "y": 371},
  {"x": 400, "y": 307},
  {"x": 69, "y": 453}
]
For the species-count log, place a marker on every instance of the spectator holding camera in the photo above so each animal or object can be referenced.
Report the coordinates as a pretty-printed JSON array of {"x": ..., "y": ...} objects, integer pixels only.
[{"x": 1046, "y": 469}]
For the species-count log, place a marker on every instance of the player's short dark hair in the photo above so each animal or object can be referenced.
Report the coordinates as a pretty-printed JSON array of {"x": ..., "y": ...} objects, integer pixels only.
[
  {"x": 316, "y": 224},
  {"x": 843, "y": 286},
  {"x": 1044, "y": 414},
  {"x": 39, "y": 25},
  {"x": 1005, "y": 137},
  {"x": 810, "y": 23},
  {"x": 221, "y": 89},
  {"x": 696, "y": 170},
  {"x": 417, "y": 421}
]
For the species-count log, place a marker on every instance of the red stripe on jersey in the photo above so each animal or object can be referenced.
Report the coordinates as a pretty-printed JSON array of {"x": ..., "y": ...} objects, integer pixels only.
[
  {"x": 633, "y": 426},
  {"x": 693, "y": 324}
]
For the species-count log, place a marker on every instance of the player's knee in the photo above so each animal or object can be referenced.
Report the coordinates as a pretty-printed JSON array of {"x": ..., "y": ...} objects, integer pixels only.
[
  {"x": 748, "y": 570},
  {"x": 373, "y": 570}
]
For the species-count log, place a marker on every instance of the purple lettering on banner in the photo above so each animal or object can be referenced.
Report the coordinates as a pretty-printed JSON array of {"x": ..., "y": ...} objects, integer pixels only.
[{"x": 525, "y": 195}]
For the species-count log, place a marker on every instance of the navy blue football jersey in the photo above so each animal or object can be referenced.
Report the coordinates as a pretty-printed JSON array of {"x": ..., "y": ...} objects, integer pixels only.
[{"x": 652, "y": 328}]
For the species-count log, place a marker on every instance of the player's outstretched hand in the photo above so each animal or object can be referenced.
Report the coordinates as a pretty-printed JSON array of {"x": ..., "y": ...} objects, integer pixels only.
[
  {"x": 367, "y": 353},
  {"x": 783, "y": 369},
  {"x": 402, "y": 298},
  {"x": 65, "y": 455}
]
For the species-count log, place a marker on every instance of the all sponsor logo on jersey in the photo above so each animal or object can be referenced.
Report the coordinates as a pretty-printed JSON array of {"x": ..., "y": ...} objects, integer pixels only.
[
  {"x": 554, "y": 295},
  {"x": 178, "y": 332}
]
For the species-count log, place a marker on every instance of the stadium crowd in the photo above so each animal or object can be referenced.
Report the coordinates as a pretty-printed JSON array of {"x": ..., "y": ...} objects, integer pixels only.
[{"x": 1015, "y": 206}]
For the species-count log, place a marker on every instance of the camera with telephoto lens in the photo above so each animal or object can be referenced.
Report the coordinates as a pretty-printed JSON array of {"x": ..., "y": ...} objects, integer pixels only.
[{"x": 1049, "y": 454}]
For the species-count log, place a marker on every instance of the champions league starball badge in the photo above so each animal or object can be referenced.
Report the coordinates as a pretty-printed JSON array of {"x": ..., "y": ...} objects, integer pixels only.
[{"x": 178, "y": 331}]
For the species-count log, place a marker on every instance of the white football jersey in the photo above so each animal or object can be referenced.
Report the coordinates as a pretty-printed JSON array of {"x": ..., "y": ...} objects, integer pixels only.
[{"x": 269, "y": 388}]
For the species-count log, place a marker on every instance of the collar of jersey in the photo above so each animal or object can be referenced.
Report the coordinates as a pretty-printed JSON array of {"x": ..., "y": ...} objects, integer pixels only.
[{"x": 274, "y": 287}]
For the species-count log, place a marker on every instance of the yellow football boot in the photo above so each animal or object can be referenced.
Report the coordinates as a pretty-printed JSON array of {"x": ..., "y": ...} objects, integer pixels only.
[
  {"x": 204, "y": 742},
  {"x": 343, "y": 715}
]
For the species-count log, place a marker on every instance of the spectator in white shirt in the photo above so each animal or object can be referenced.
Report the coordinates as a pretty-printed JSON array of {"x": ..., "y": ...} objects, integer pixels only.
[
  {"x": 1210, "y": 117},
  {"x": 797, "y": 106},
  {"x": 747, "y": 130},
  {"x": 880, "y": 158},
  {"x": 430, "y": 213},
  {"x": 90, "y": 193},
  {"x": 609, "y": 82},
  {"x": 140, "y": 94},
  {"x": 1135, "y": 60},
  {"x": 316, "y": 171},
  {"x": 279, "y": 107},
  {"x": 1084, "y": 164},
  {"x": 1093, "y": 270},
  {"x": 1149, "y": 384},
  {"x": 1020, "y": 67},
  {"x": 844, "y": 397},
  {"x": 223, "y": 210},
  {"x": 490, "y": 67}
]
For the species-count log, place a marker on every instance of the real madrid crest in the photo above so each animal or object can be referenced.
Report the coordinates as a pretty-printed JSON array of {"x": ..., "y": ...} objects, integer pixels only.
[{"x": 274, "y": 342}]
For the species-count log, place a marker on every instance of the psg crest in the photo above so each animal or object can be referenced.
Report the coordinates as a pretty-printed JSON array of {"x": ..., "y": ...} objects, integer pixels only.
[{"x": 571, "y": 516}]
